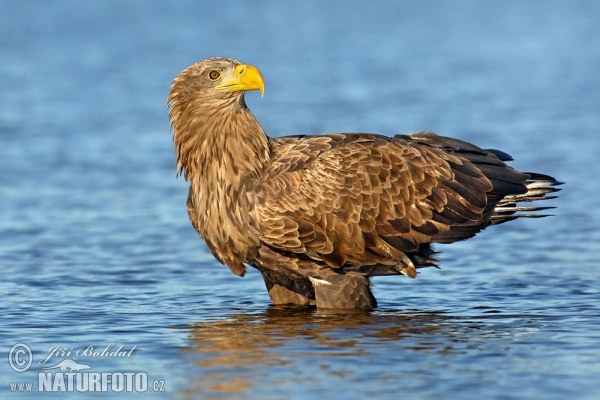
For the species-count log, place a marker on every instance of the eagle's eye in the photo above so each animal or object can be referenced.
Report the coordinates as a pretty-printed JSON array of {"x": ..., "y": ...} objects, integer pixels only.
[{"x": 214, "y": 74}]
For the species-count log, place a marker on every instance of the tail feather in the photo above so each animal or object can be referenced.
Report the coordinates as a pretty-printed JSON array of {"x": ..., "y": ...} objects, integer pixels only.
[
  {"x": 538, "y": 186},
  {"x": 510, "y": 187}
]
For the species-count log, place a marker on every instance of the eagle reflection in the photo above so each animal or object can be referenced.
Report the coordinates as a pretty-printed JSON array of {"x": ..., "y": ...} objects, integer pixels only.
[{"x": 232, "y": 352}]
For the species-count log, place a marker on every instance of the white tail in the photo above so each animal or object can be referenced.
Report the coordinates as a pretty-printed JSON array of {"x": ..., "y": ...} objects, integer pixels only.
[{"x": 538, "y": 186}]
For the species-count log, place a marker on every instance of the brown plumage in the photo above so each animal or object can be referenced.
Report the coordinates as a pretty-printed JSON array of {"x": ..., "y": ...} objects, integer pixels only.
[{"x": 319, "y": 215}]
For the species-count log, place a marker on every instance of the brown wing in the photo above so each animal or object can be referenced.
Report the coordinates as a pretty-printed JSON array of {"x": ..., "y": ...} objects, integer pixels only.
[{"x": 367, "y": 200}]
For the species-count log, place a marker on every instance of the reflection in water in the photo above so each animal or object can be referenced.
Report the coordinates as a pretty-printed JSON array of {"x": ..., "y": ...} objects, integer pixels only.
[{"x": 242, "y": 351}]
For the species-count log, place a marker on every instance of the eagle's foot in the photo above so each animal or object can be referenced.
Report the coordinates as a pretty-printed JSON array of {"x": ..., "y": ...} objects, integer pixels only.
[{"x": 348, "y": 291}]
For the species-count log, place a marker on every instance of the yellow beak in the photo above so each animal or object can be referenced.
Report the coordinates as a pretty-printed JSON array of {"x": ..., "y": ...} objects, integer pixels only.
[{"x": 245, "y": 77}]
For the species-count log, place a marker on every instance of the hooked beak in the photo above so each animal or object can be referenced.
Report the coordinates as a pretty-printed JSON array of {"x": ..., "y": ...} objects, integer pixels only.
[{"x": 245, "y": 77}]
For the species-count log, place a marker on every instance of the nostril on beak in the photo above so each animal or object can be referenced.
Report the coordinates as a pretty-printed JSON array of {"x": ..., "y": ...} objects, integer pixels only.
[{"x": 241, "y": 71}]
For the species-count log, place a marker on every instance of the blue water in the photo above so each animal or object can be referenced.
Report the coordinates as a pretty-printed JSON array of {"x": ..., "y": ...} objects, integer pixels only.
[{"x": 96, "y": 247}]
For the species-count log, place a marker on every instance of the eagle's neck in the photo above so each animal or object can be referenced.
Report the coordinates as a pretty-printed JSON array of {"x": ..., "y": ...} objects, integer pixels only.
[
  {"x": 227, "y": 141},
  {"x": 222, "y": 151}
]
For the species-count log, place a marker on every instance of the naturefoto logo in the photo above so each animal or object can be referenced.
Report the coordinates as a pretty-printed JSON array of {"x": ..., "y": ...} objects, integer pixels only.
[
  {"x": 69, "y": 365},
  {"x": 69, "y": 375}
]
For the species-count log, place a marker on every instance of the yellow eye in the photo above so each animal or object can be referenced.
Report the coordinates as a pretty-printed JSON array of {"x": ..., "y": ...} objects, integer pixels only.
[{"x": 214, "y": 74}]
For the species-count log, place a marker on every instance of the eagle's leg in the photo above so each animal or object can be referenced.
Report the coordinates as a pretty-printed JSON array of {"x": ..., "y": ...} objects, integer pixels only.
[
  {"x": 349, "y": 291},
  {"x": 284, "y": 289}
]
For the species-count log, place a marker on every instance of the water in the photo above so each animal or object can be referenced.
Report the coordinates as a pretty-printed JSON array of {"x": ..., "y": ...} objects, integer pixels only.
[{"x": 96, "y": 247}]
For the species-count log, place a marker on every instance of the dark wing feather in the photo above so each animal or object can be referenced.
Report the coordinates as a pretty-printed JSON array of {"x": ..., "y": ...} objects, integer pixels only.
[
  {"x": 348, "y": 200},
  {"x": 505, "y": 180}
]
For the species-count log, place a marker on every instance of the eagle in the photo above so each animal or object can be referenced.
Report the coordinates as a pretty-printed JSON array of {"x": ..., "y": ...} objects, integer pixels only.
[{"x": 319, "y": 215}]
